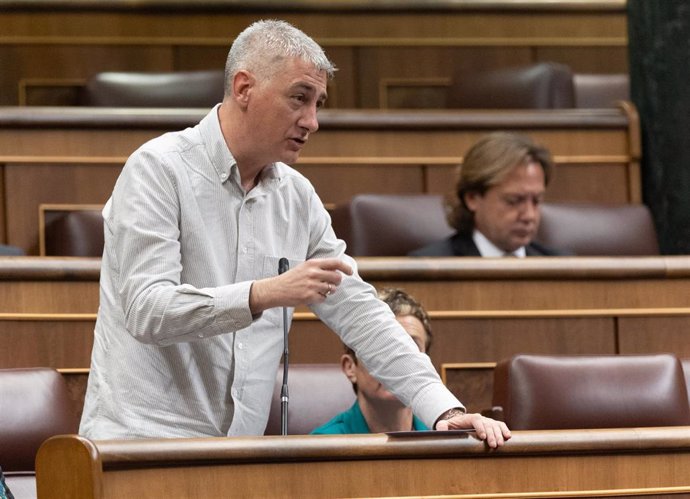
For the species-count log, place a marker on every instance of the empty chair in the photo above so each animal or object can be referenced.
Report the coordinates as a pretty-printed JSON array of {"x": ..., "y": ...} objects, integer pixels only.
[
  {"x": 75, "y": 232},
  {"x": 34, "y": 405},
  {"x": 539, "y": 392},
  {"x": 686, "y": 371},
  {"x": 317, "y": 392},
  {"x": 600, "y": 90},
  {"x": 598, "y": 230},
  {"x": 390, "y": 224},
  {"x": 544, "y": 85},
  {"x": 172, "y": 89}
]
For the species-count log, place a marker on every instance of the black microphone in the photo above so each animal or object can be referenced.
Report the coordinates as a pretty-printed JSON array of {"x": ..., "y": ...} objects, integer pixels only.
[{"x": 284, "y": 265}]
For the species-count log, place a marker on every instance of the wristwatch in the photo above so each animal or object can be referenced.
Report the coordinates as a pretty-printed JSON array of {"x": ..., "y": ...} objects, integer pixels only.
[{"x": 449, "y": 414}]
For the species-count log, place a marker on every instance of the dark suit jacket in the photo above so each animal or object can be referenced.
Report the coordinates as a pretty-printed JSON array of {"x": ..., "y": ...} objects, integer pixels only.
[{"x": 463, "y": 245}]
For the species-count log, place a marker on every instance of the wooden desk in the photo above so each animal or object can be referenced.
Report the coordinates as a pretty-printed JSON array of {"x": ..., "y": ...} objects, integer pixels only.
[
  {"x": 74, "y": 155},
  {"x": 389, "y": 53},
  {"x": 572, "y": 463},
  {"x": 482, "y": 310}
]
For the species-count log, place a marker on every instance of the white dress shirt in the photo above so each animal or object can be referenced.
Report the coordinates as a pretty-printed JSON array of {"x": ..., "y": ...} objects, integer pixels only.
[
  {"x": 487, "y": 248},
  {"x": 177, "y": 352}
]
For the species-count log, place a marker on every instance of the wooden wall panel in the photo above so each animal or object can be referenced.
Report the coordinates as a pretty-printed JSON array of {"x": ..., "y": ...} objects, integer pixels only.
[
  {"x": 69, "y": 183},
  {"x": 60, "y": 343},
  {"x": 655, "y": 334}
]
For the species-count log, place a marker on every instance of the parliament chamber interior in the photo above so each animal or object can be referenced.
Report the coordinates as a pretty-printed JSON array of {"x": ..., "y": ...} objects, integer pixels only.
[{"x": 585, "y": 356}]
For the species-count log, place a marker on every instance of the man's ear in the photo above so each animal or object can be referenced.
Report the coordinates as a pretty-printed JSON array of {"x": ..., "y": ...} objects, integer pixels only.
[
  {"x": 348, "y": 364},
  {"x": 242, "y": 84},
  {"x": 470, "y": 199}
]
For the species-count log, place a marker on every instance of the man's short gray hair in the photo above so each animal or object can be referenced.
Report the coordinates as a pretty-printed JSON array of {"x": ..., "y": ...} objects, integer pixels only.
[{"x": 262, "y": 46}]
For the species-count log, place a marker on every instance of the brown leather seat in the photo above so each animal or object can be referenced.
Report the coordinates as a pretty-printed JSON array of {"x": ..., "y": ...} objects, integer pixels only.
[
  {"x": 317, "y": 392},
  {"x": 390, "y": 224},
  {"x": 173, "y": 89},
  {"x": 539, "y": 392},
  {"x": 600, "y": 90},
  {"x": 598, "y": 230},
  {"x": 544, "y": 85},
  {"x": 34, "y": 405},
  {"x": 74, "y": 233},
  {"x": 686, "y": 371}
]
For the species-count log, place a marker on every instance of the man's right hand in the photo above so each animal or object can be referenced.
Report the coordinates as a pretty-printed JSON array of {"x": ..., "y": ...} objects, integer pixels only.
[{"x": 310, "y": 282}]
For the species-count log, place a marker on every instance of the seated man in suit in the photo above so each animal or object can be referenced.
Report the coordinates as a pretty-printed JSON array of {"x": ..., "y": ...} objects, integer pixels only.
[
  {"x": 376, "y": 410},
  {"x": 498, "y": 194}
]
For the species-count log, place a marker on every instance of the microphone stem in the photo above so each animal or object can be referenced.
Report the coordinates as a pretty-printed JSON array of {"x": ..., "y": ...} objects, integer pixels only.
[{"x": 284, "y": 398}]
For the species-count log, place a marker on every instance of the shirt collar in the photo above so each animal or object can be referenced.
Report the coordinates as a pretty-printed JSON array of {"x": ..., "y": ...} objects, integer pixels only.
[
  {"x": 221, "y": 158},
  {"x": 487, "y": 248}
]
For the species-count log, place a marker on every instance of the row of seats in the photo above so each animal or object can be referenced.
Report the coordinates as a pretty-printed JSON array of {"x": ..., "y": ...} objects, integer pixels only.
[
  {"x": 395, "y": 224},
  {"x": 536, "y": 86},
  {"x": 531, "y": 392}
]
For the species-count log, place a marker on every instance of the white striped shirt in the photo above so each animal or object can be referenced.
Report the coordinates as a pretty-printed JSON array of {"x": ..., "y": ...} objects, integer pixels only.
[{"x": 177, "y": 352}]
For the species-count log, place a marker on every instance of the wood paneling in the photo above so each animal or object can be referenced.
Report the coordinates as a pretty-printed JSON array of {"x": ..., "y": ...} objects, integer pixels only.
[
  {"x": 482, "y": 310},
  {"x": 51, "y": 155},
  {"x": 566, "y": 463},
  {"x": 370, "y": 42}
]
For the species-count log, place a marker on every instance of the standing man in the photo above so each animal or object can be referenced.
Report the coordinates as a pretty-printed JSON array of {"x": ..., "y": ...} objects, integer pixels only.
[
  {"x": 497, "y": 207},
  {"x": 188, "y": 337}
]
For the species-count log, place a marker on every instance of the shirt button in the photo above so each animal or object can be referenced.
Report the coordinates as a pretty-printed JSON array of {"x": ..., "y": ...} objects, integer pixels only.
[
  {"x": 234, "y": 392},
  {"x": 223, "y": 176},
  {"x": 244, "y": 250},
  {"x": 240, "y": 345}
]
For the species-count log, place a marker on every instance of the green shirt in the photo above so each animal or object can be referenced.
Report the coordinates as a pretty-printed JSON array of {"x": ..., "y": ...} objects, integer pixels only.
[{"x": 352, "y": 421}]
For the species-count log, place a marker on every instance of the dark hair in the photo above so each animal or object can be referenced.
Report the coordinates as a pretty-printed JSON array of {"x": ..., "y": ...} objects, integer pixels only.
[{"x": 486, "y": 164}]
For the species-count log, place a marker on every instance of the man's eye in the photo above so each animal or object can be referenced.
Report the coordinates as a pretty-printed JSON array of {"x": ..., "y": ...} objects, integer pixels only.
[{"x": 513, "y": 201}]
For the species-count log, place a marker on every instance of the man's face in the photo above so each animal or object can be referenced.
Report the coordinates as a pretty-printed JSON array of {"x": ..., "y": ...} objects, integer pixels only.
[
  {"x": 281, "y": 112},
  {"x": 367, "y": 385},
  {"x": 508, "y": 213}
]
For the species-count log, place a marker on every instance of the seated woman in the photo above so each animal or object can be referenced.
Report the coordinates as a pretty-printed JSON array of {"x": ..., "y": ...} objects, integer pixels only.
[
  {"x": 4, "y": 489},
  {"x": 376, "y": 410}
]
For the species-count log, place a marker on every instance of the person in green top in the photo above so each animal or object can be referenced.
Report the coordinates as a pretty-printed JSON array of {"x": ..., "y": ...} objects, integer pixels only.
[{"x": 376, "y": 410}]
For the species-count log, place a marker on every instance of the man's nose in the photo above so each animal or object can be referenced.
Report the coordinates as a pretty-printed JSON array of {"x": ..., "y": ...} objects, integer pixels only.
[
  {"x": 309, "y": 119},
  {"x": 530, "y": 210}
]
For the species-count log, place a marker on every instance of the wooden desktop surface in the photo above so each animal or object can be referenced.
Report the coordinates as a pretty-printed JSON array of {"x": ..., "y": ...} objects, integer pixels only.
[{"x": 566, "y": 463}]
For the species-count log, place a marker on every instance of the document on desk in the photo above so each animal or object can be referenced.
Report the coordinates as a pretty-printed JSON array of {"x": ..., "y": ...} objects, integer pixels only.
[{"x": 430, "y": 433}]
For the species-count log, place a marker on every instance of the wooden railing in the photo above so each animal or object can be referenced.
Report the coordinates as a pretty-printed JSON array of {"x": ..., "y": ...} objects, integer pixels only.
[{"x": 567, "y": 463}]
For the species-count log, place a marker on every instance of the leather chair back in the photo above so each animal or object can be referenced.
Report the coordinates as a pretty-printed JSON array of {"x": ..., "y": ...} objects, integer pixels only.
[
  {"x": 390, "y": 224},
  {"x": 541, "y": 392},
  {"x": 34, "y": 405},
  {"x": 544, "y": 85},
  {"x": 193, "y": 89},
  {"x": 600, "y": 90},
  {"x": 598, "y": 230},
  {"x": 73, "y": 233},
  {"x": 317, "y": 392}
]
